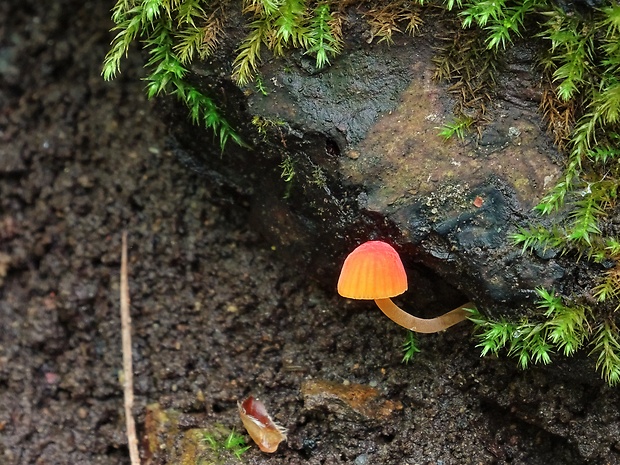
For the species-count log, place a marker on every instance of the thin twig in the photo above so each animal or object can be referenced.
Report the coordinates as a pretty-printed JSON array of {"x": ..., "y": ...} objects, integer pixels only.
[{"x": 132, "y": 440}]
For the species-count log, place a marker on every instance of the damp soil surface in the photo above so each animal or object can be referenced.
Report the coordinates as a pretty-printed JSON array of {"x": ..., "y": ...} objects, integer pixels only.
[{"x": 217, "y": 316}]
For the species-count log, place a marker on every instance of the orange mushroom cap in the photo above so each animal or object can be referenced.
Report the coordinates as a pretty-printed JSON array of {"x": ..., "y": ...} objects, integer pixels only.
[{"x": 372, "y": 271}]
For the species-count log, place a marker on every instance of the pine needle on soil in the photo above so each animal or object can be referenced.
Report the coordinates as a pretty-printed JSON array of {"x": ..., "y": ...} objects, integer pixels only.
[{"x": 132, "y": 440}]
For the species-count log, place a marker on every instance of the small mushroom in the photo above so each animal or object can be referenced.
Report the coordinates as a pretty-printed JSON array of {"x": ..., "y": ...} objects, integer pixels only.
[{"x": 374, "y": 271}]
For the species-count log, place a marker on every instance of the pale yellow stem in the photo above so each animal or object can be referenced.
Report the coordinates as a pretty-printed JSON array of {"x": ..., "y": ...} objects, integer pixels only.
[{"x": 422, "y": 325}]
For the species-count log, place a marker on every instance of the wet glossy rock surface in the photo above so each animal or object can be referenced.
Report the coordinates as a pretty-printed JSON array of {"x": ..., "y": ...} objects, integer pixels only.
[{"x": 362, "y": 138}]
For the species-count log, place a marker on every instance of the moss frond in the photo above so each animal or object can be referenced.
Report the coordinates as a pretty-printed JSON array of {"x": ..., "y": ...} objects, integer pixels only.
[
  {"x": 493, "y": 335},
  {"x": 567, "y": 327},
  {"x": 585, "y": 217},
  {"x": 167, "y": 70},
  {"x": 392, "y": 17},
  {"x": 288, "y": 169},
  {"x": 538, "y": 237},
  {"x": 606, "y": 346},
  {"x": 457, "y": 128},
  {"x": 607, "y": 101},
  {"x": 501, "y": 19},
  {"x": 502, "y": 31},
  {"x": 189, "y": 41},
  {"x": 529, "y": 345},
  {"x": 204, "y": 111},
  {"x": 571, "y": 54},
  {"x": 188, "y": 13},
  {"x": 611, "y": 20},
  {"x": 524, "y": 340},
  {"x": 262, "y": 8},
  {"x": 604, "y": 154},
  {"x": 290, "y": 25},
  {"x": 481, "y": 12},
  {"x": 383, "y": 22},
  {"x": 223, "y": 442},
  {"x": 612, "y": 245},
  {"x": 151, "y": 10},
  {"x": 325, "y": 35},
  {"x": 554, "y": 200},
  {"x": 198, "y": 40},
  {"x": 246, "y": 63},
  {"x": 264, "y": 125},
  {"x": 174, "y": 32},
  {"x": 285, "y": 24},
  {"x": 129, "y": 27},
  {"x": 609, "y": 288},
  {"x": 410, "y": 347},
  {"x": 559, "y": 115}
]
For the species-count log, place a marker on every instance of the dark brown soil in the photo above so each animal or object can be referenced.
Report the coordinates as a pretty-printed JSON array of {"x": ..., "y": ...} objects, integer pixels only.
[{"x": 216, "y": 315}]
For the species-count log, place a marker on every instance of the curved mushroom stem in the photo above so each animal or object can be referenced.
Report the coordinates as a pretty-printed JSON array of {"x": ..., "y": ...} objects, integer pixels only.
[{"x": 422, "y": 325}]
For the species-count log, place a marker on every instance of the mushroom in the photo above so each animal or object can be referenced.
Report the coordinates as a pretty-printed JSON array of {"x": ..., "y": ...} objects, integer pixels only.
[{"x": 374, "y": 271}]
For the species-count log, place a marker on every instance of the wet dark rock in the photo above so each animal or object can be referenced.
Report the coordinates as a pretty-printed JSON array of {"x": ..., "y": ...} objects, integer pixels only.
[
  {"x": 580, "y": 6},
  {"x": 362, "y": 139}
]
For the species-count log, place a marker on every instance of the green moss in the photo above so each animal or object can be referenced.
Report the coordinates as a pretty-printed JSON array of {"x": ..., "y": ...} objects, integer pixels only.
[
  {"x": 224, "y": 443},
  {"x": 264, "y": 125},
  {"x": 456, "y": 128},
  {"x": 174, "y": 33},
  {"x": 282, "y": 24},
  {"x": 583, "y": 104},
  {"x": 410, "y": 347},
  {"x": 563, "y": 328}
]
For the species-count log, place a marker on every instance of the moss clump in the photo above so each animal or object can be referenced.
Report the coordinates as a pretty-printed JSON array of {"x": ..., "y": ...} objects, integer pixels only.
[
  {"x": 174, "y": 33},
  {"x": 223, "y": 443},
  {"x": 582, "y": 106},
  {"x": 566, "y": 328},
  {"x": 280, "y": 25}
]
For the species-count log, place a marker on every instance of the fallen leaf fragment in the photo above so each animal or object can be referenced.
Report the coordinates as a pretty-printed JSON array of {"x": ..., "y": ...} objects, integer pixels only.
[
  {"x": 347, "y": 401},
  {"x": 266, "y": 433}
]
